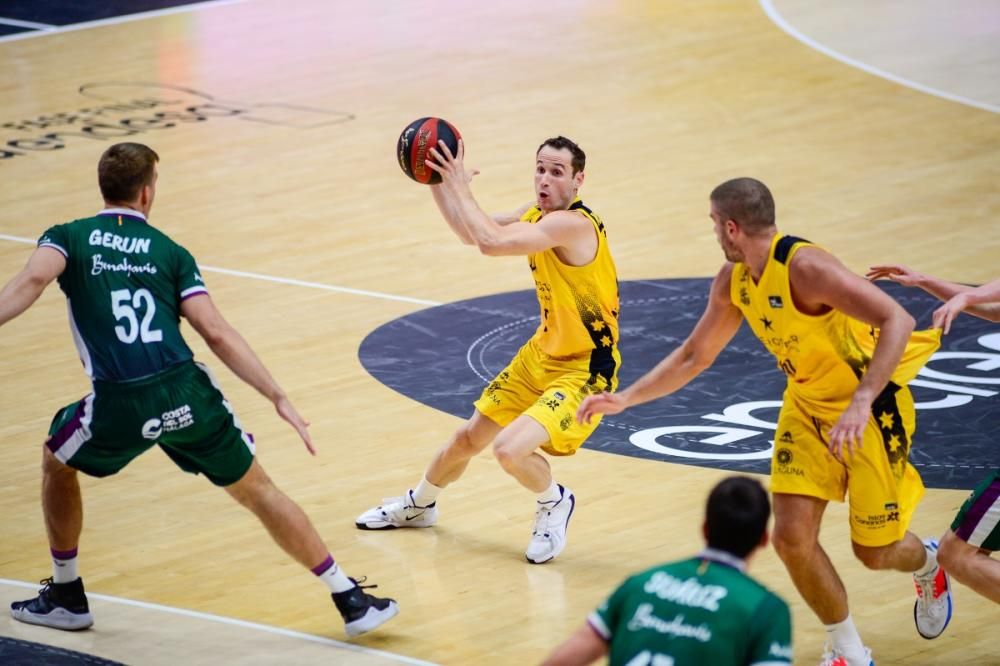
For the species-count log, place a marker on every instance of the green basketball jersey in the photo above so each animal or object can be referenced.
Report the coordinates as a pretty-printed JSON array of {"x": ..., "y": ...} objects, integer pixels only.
[
  {"x": 124, "y": 282},
  {"x": 694, "y": 612}
]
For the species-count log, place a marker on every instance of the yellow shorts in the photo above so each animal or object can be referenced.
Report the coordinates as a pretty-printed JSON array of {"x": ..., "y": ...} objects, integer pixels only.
[
  {"x": 884, "y": 488},
  {"x": 549, "y": 390}
]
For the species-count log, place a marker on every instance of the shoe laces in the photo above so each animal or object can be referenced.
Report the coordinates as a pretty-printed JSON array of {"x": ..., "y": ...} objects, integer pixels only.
[
  {"x": 46, "y": 584},
  {"x": 542, "y": 515},
  {"x": 360, "y": 580},
  {"x": 930, "y": 588}
]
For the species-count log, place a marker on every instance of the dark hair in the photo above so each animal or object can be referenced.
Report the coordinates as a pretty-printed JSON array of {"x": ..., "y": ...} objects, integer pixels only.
[
  {"x": 736, "y": 515},
  {"x": 123, "y": 171},
  {"x": 746, "y": 201},
  {"x": 560, "y": 142}
]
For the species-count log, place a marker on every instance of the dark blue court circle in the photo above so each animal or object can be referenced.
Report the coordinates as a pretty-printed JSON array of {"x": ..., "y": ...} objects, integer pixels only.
[{"x": 725, "y": 419}]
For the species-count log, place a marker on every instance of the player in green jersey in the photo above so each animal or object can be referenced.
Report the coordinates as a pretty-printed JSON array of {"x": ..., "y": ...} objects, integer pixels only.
[
  {"x": 702, "y": 610},
  {"x": 127, "y": 285}
]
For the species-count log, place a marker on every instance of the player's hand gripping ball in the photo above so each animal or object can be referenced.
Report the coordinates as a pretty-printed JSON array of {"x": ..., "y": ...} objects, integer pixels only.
[{"x": 415, "y": 143}]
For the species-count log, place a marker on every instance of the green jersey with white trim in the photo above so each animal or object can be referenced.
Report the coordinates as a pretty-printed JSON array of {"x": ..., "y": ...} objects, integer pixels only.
[
  {"x": 693, "y": 612},
  {"x": 124, "y": 282}
]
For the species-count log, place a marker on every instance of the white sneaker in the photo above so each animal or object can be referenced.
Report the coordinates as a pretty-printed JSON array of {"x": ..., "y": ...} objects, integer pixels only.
[
  {"x": 398, "y": 512},
  {"x": 548, "y": 539},
  {"x": 932, "y": 609},
  {"x": 832, "y": 657}
]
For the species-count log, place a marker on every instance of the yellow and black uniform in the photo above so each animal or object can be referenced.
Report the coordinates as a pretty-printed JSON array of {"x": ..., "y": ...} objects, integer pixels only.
[
  {"x": 824, "y": 357},
  {"x": 574, "y": 352}
]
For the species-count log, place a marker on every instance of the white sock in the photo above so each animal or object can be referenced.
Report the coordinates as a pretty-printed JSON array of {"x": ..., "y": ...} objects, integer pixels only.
[
  {"x": 330, "y": 573},
  {"x": 551, "y": 494},
  {"x": 930, "y": 564},
  {"x": 846, "y": 640},
  {"x": 425, "y": 493},
  {"x": 64, "y": 566}
]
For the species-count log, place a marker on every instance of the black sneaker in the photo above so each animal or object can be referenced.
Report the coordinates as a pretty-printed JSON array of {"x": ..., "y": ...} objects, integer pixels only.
[
  {"x": 362, "y": 611},
  {"x": 58, "y": 605}
]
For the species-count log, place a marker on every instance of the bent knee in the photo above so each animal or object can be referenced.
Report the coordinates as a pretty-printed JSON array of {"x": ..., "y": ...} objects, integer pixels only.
[
  {"x": 952, "y": 552},
  {"x": 873, "y": 557},
  {"x": 505, "y": 454},
  {"x": 791, "y": 543}
]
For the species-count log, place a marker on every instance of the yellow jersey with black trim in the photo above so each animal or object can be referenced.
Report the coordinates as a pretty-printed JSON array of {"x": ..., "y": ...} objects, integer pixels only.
[
  {"x": 578, "y": 304},
  {"x": 824, "y": 356}
]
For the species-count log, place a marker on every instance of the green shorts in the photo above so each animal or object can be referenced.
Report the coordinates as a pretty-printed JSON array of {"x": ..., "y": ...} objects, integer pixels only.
[
  {"x": 181, "y": 409},
  {"x": 978, "y": 521}
]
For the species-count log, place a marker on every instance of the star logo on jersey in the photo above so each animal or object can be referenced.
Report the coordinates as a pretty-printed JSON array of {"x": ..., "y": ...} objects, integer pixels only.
[
  {"x": 775, "y": 302},
  {"x": 197, "y": 278},
  {"x": 767, "y": 324},
  {"x": 886, "y": 420}
]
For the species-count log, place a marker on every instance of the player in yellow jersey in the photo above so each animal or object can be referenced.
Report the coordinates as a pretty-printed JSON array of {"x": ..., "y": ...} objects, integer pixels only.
[
  {"x": 847, "y": 418},
  {"x": 531, "y": 404}
]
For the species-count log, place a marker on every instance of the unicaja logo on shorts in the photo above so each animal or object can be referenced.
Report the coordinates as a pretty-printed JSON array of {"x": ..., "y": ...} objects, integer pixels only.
[{"x": 152, "y": 428}]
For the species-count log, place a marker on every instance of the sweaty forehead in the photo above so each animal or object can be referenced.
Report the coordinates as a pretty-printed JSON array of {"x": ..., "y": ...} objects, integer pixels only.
[{"x": 552, "y": 157}]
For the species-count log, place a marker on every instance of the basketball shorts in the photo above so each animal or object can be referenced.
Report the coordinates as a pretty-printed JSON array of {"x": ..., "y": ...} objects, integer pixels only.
[
  {"x": 978, "y": 521},
  {"x": 883, "y": 487},
  {"x": 549, "y": 390},
  {"x": 180, "y": 409}
]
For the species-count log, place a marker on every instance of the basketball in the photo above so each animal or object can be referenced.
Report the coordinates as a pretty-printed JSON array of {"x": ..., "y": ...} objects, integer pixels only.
[{"x": 415, "y": 144}]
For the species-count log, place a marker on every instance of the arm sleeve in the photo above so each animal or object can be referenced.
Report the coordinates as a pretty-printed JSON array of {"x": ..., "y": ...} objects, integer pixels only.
[
  {"x": 771, "y": 634},
  {"x": 57, "y": 238},
  {"x": 606, "y": 617},
  {"x": 189, "y": 282}
]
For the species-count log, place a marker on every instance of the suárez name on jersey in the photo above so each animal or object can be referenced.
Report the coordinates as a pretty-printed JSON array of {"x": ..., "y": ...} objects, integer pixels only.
[
  {"x": 685, "y": 592},
  {"x": 121, "y": 243}
]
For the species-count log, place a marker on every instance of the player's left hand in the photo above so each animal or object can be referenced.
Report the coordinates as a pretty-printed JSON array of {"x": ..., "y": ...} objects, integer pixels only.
[
  {"x": 847, "y": 433},
  {"x": 451, "y": 167},
  {"x": 946, "y": 314},
  {"x": 288, "y": 412}
]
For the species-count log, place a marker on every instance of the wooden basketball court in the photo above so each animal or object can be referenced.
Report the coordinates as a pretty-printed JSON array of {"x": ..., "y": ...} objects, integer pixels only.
[{"x": 276, "y": 131}]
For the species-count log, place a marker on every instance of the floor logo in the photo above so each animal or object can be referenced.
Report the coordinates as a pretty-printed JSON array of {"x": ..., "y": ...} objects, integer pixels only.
[{"x": 727, "y": 417}]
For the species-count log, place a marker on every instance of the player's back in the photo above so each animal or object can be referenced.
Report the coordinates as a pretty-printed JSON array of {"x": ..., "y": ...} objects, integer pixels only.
[
  {"x": 698, "y": 611},
  {"x": 124, "y": 282}
]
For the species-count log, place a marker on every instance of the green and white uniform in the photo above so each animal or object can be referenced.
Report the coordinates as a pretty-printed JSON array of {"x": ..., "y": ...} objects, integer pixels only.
[
  {"x": 703, "y": 610},
  {"x": 124, "y": 283}
]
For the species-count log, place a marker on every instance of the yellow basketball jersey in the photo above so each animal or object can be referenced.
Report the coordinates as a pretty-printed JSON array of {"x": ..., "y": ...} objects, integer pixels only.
[
  {"x": 579, "y": 304},
  {"x": 824, "y": 356}
]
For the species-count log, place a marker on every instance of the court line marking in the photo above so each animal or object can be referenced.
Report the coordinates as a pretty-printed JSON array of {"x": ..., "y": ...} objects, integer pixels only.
[
  {"x": 27, "y": 24},
  {"x": 779, "y": 20},
  {"x": 281, "y": 280},
  {"x": 114, "y": 20},
  {"x": 351, "y": 647}
]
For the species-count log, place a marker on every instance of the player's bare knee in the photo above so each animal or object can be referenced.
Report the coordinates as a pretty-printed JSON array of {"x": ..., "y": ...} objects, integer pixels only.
[
  {"x": 53, "y": 468},
  {"x": 462, "y": 444},
  {"x": 951, "y": 553},
  {"x": 873, "y": 557},
  {"x": 505, "y": 455},
  {"x": 790, "y": 544}
]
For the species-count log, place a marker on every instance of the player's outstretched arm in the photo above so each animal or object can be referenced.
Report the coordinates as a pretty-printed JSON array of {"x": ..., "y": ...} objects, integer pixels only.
[
  {"x": 982, "y": 301},
  {"x": 44, "y": 265},
  {"x": 717, "y": 326},
  {"x": 583, "y": 647},
  {"x": 226, "y": 343}
]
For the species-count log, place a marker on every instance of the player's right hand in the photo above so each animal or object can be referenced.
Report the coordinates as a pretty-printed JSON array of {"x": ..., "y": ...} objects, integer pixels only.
[
  {"x": 946, "y": 314},
  {"x": 895, "y": 272},
  {"x": 288, "y": 412},
  {"x": 602, "y": 403}
]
